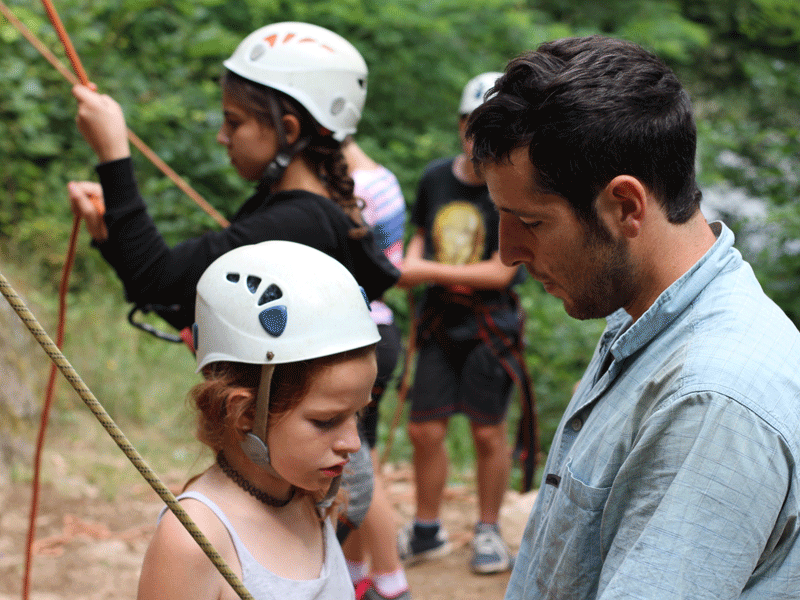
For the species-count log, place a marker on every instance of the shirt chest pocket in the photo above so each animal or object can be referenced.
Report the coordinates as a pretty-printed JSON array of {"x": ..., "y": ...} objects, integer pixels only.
[{"x": 570, "y": 539}]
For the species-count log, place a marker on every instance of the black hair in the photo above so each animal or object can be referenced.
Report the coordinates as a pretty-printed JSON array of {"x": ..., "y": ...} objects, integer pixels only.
[{"x": 590, "y": 109}]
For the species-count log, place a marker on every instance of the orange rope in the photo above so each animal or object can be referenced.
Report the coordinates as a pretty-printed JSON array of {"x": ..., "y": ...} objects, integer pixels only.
[
  {"x": 177, "y": 180},
  {"x": 62, "y": 307},
  {"x": 65, "y": 41},
  {"x": 62, "y": 312}
]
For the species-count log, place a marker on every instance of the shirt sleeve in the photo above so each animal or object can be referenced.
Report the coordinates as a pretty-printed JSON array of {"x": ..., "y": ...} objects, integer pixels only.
[{"x": 698, "y": 505}]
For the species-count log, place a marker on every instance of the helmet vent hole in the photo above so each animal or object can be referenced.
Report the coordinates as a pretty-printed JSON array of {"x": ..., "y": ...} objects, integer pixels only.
[
  {"x": 273, "y": 292},
  {"x": 362, "y": 83},
  {"x": 337, "y": 106},
  {"x": 252, "y": 283},
  {"x": 233, "y": 277},
  {"x": 256, "y": 52}
]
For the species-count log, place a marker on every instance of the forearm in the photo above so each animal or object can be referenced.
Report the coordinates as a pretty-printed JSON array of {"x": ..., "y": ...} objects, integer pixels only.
[
  {"x": 489, "y": 274},
  {"x": 484, "y": 275}
]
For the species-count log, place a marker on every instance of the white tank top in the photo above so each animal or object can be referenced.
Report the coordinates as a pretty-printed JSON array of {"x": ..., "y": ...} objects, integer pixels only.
[{"x": 333, "y": 582}]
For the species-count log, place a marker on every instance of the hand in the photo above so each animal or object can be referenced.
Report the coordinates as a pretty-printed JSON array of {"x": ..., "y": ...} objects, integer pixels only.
[
  {"x": 412, "y": 272},
  {"x": 86, "y": 201},
  {"x": 102, "y": 123}
]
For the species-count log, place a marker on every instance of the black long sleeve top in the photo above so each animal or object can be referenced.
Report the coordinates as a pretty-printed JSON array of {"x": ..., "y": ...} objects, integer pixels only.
[{"x": 154, "y": 273}]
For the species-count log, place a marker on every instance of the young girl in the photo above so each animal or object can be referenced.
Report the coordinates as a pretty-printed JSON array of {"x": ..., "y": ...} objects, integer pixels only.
[
  {"x": 291, "y": 93},
  {"x": 286, "y": 346}
]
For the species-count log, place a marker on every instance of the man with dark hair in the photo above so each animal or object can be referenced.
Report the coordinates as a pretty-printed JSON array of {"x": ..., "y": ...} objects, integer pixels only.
[{"x": 673, "y": 473}]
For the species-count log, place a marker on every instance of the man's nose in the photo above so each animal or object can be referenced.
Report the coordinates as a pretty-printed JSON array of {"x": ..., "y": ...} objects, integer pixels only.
[{"x": 511, "y": 241}]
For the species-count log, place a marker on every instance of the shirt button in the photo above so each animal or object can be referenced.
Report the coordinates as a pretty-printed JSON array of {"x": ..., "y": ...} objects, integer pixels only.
[{"x": 576, "y": 424}]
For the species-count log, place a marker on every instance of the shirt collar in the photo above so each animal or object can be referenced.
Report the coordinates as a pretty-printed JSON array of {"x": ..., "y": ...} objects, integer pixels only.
[{"x": 677, "y": 297}]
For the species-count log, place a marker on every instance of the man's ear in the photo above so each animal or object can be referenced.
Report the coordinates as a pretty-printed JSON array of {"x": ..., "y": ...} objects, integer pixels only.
[{"x": 622, "y": 205}]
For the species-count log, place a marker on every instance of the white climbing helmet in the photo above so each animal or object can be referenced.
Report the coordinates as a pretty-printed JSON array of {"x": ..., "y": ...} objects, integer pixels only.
[
  {"x": 318, "y": 68},
  {"x": 279, "y": 302},
  {"x": 475, "y": 91}
]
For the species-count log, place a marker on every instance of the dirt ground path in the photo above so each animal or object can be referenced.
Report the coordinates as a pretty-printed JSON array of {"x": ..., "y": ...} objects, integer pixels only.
[{"x": 91, "y": 548}]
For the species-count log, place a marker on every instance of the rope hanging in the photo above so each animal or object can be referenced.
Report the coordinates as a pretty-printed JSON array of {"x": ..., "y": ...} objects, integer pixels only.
[
  {"x": 76, "y": 222},
  {"x": 45, "y": 416},
  {"x": 61, "y": 362}
]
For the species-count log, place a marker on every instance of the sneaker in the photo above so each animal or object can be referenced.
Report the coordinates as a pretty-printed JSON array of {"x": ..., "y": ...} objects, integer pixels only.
[
  {"x": 413, "y": 549},
  {"x": 373, "y": 594},
  {"x": 490, "y": 552},
  {"x": 362, "y": 587}
]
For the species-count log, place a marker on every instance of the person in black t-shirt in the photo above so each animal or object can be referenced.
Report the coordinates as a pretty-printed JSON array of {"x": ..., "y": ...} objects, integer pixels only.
[
  {"x": 468, "y": 324},
  {"x": 283, "y": 131}
]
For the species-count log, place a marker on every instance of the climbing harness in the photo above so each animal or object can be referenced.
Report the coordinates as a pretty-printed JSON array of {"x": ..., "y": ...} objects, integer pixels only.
[
  {"x": 509, "y": 352},
  {"x": 72, "y": 376},
  {"x": 526, "y": 448},
  {"x": 154, "y": 331}
]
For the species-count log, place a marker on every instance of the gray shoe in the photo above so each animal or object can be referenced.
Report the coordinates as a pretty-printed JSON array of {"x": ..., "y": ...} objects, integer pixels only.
[
  {"x": 413, "y": 549},
  {"x": 490, "y": 554}
]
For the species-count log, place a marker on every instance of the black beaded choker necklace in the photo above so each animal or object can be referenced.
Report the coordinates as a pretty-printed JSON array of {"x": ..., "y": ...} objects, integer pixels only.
[{"x": 249, "y": 487}]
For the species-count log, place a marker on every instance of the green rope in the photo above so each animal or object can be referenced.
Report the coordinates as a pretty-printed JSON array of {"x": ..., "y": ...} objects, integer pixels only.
[{"x": 119, "y": 437}]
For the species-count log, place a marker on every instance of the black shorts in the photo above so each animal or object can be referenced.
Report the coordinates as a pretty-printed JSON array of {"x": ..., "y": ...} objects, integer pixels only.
[
  {"x": 388, "y": 351},
  {"x": 467, "y": 378}
]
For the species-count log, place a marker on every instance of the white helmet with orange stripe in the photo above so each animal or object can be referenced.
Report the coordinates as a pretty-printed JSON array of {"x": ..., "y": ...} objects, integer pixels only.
[{"x": 317, "y": 67}]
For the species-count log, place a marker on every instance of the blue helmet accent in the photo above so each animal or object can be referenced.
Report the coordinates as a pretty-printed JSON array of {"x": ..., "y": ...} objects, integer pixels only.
[
  {"x": 194, "y": 336},
  {"x": 273, "y": 320},
  {"x": 363, "y": 293}
]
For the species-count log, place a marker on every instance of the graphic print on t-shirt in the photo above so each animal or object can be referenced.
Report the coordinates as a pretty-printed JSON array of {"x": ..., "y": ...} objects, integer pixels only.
[{"x": 458, "y": 234}]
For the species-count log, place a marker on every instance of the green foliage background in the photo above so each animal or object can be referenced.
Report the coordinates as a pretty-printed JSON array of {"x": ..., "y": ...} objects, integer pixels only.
[{"x": 161, "y": 60}]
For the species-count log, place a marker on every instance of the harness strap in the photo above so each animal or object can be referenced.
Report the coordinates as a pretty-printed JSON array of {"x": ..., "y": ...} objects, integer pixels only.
[
  {"x": 262, "y": 402},
  {"x": 527, "y": 446},
  {"x": 508, "y": 351}
]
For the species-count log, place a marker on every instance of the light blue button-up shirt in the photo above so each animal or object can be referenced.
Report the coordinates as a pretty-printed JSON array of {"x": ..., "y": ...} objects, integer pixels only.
[{"x": 673, "y": 473}]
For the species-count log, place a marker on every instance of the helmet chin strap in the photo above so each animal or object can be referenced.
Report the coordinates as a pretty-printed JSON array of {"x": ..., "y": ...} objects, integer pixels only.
[
  {"x": 254, "y": 445},
  {"x": 274, "y": 171}
]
